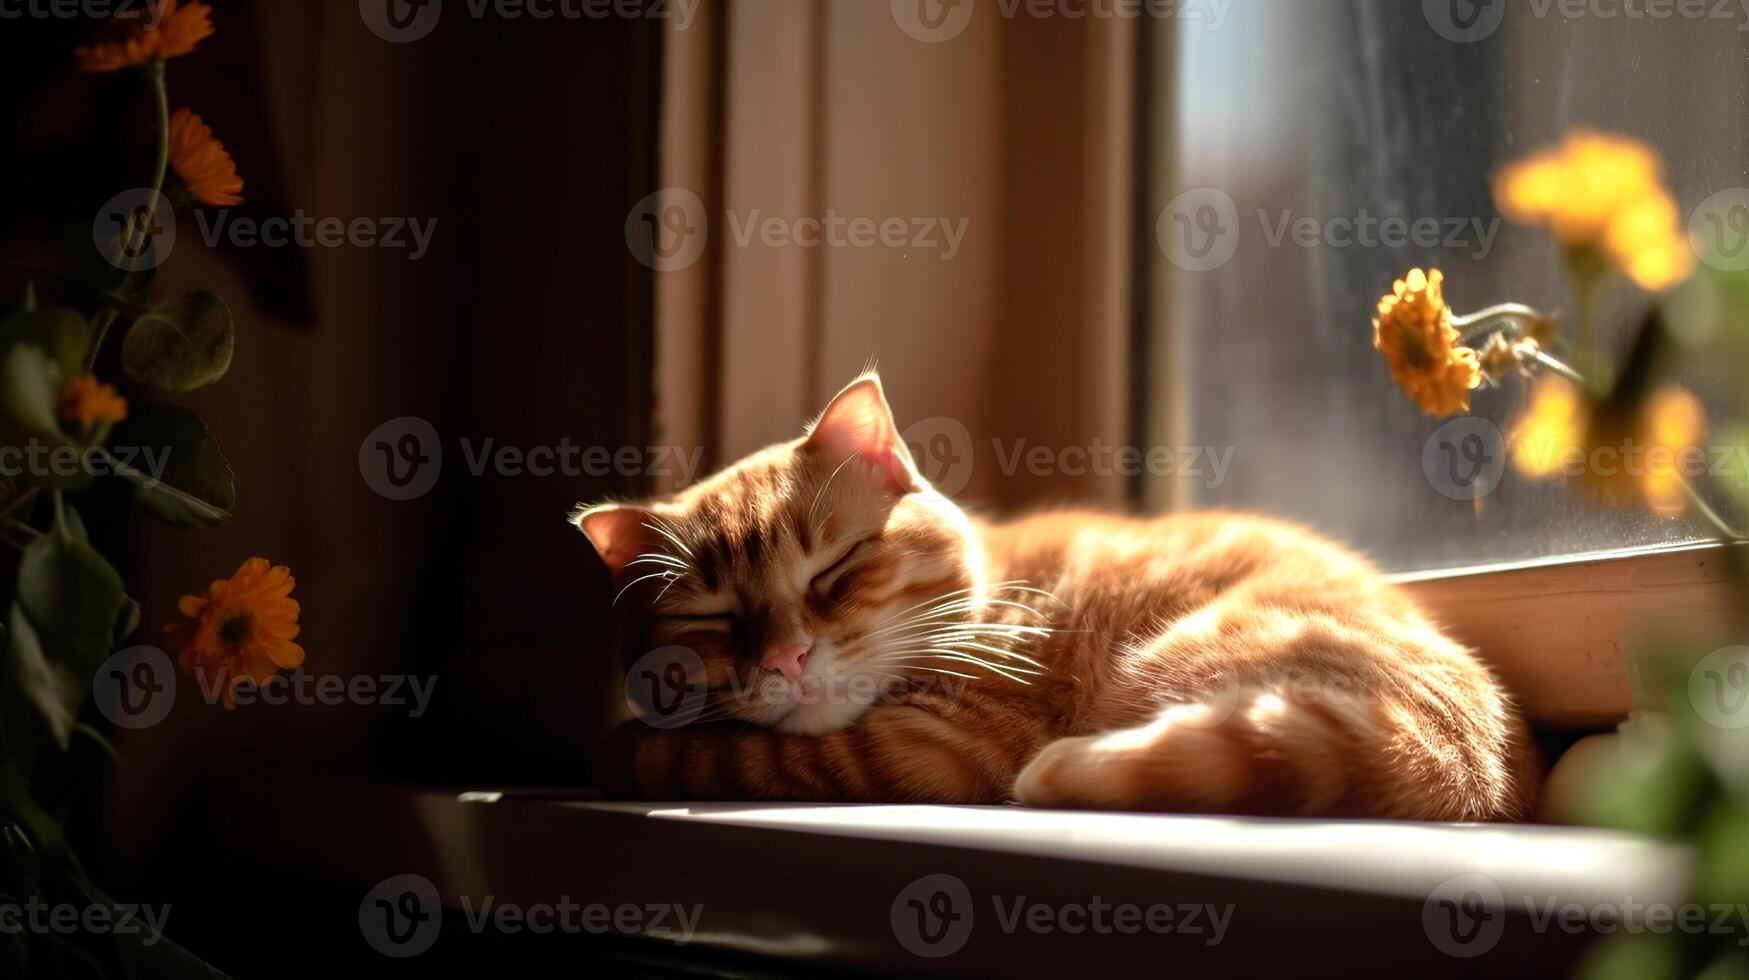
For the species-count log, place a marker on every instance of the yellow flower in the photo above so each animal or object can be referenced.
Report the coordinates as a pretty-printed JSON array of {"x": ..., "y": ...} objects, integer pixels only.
[
  {"x": 87, "y": 401},
  {"x": 1636, "y": 457},
  {"x": 1602, "y": 192},
  {"x": 1552, "y": 431},
  {"x": 178, "y": 29},
  {"x": 201, "y": 161},
  {"x": 1413, "y": 331},
  {"x": 241, "y": 630},
  {"x": 1673, "y": 422}
]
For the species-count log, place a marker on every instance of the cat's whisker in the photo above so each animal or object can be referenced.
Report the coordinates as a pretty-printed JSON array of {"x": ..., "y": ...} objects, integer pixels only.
[
  {"x": 826, "y": 486},
  {"x": 930, "y": 602},
  {"x": 955, "y": 602},
  {"x": 1005, "y": 629},
  {"x": 670, "y": 584},
  {"x": 1014, "y": 674},
  {"x": 642, "y": 578},
  {"x": 998, "y": 652},
  {"x": 963, "y": 646},
  {"x": 670, "y": 535},
  {"x": 663, "y": 560},
  {"x": 958, "y": 652},
  {"x": 1011, "y": 631},
  {"x": 937, "y": 619},
  {"x": 932, "y": 670},
  {"x": 947, "y": 653}
]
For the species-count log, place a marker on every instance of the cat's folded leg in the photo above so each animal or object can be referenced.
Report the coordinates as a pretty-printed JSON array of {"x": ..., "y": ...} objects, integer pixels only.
[
  {"x": 893, "y": 754},
  {"x": 1258, "y": 750}
]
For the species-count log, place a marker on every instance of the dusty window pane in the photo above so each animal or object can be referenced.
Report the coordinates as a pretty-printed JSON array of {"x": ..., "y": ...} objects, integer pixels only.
[{"x": 1299, "y": 129}]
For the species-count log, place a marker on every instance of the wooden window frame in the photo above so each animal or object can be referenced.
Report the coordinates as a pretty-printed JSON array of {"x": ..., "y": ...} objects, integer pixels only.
[{"x": 1563, "y": 634}]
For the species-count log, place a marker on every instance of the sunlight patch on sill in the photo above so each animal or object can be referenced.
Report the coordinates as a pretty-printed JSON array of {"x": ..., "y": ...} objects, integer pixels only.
[{"x": 1382, "y": 857}]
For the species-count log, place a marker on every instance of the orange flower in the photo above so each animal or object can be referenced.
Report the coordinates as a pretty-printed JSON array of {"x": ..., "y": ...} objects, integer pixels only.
[
  {"x": 1603, "y": 192},
  {"x": 178, "y": 29},
  {"x": 1637, "y": 460},
  {"x": 201, "y": 161},
  {"x": 241, "y": 630},
  {"x": 1413, "y": 331},
  {"x": 87, "y": 401}
]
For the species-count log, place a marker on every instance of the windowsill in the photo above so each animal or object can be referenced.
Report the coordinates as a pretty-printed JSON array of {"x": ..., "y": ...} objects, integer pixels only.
[
  {"x": 1560, "y": 632},
  {"x": 815, "y": 887}
]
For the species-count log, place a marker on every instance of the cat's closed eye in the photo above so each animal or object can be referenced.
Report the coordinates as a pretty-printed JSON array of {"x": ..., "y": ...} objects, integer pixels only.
[{"x": 822, "y": 583}]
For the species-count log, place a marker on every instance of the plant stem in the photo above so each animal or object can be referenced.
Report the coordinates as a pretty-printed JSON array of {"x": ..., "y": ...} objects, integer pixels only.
[
  {"x": 16, "y": 797},
  {"x": 99, "y": 330},
  {"x": 1504, "y": 311},
  {"x": 1588, "y": 268},
  {"x": 1561, "y": 368},
  {"x": 19, "y": 501},
  {"x": 160, "y": 95},
  {"x": 121, "y": 302},
  {"x": 102, "y": 743},
  {"x": 1725, "y": 530},
  {"x": 11, "y": 526}
]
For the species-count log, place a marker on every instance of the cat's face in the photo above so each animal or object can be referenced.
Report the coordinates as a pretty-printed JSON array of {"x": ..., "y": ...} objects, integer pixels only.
[{"x": 807, "y": 578}]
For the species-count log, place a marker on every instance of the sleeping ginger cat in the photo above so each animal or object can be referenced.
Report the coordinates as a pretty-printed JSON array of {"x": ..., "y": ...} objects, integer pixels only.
[{"x": 853, "y": 635}]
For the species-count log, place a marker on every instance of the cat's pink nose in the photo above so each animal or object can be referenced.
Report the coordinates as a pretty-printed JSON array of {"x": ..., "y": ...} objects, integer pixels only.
[{"x": 786, "y": 659}]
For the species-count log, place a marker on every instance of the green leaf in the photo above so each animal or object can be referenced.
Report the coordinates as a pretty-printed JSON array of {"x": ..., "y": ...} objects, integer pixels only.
[
  {"x": 128, "y": 622},
  {"x": 1722, "y": 873},
  {"x": 47, "y": 687},
  {"x": 30, "y": 383},
  {"x": 1656, "y": 789},
  {"x": 181, "y": 344},
  {"x": 1731, "y": 964},
  {"x": 1632, "y": 957},
  {"x": 61, "y": 333},
  {"x": 29, "y": 389},
  {"x": 75, "y": 524},
  {"x": 177, "y": 470},
  {"x": 74, "y": 599}
]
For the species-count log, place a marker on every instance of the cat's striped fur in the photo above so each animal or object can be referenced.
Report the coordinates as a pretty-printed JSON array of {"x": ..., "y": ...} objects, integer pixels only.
[{"x": 1203, "y": 663}]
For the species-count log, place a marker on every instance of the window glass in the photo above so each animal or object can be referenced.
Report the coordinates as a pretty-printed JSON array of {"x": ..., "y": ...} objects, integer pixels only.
[{"x": 1309, "y": 152}]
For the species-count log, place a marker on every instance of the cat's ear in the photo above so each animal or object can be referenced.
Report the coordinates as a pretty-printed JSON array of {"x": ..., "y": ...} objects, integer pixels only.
[
  {"x": 620, "y": 533},
  {"x": 859, "y": 423}
]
